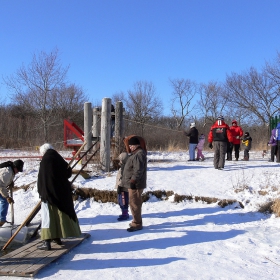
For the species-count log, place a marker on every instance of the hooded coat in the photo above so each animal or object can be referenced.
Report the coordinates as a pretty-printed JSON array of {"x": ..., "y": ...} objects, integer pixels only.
[
  {"x": 53, "y": 184},
  {"x": 220, "y": 132},
  {"x": 236, "y": 132}
]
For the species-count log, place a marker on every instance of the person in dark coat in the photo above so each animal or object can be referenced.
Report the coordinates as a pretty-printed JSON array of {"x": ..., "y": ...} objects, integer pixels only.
[
  {"x": 219, "y": 135},
  {"x": 59, "y": 219},
  {"x": 273, "y": 145},
  {"x": 134, "y": 178},
  {"x": 193, "y": 140},
  {"x": 247, "y": 142}
]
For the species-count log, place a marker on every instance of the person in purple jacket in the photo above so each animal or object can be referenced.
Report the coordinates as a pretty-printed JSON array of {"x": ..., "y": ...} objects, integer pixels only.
[{"x": 273, "y": 145}]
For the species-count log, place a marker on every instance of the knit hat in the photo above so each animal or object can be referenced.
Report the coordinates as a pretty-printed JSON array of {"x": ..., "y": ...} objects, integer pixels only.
[
  {"x": 220, "y": 118},
  {"x": 18, "y": 164},
  {"x": 192, "y": 124},
  {"x": 246, "y": 134},
  {"x": 234, "y": 121},
  {"x": 133, "y": 141}
]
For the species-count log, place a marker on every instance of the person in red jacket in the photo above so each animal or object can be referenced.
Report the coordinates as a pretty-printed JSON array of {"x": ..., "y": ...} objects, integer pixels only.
[
  {"x": 237, "y": 133},
  {"x": 218, "y": 138}
]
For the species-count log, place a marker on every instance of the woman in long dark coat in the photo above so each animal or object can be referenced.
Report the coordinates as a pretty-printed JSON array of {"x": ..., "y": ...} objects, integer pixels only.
[{"x": 59, "y": 219}]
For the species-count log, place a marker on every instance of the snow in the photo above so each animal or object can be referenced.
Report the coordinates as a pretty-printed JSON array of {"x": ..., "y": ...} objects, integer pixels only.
[{"x": 186, "y": 240}]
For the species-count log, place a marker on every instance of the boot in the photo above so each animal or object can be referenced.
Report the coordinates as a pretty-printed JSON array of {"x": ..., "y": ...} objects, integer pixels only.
[
  {"x": 2, "y": 223},
  {"x": 46, "y": 245},
  {"x": 57, "y": 241},
  {"x": 124, "y": 216}
]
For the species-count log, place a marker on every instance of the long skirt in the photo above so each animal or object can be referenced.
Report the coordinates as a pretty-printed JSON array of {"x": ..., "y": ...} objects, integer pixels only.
[{"x": 57, "y": 224}]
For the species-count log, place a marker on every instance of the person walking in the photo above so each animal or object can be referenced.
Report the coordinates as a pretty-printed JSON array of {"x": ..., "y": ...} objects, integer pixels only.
[
  {"x": 8, "y": 170},
  {"x": 247, "y": 142},
  {"x": 193, "y": 140},
  {"x": 273, "y": 145},
  {"x": 218, "y": 138},
  {"x": 123, "y": 198},
  {"x": 237, "y": 133},
  {"x": 200, "y": 146},
  {"x": 277, "y": 135},
  {"x": 59, "y": 219},
  {"x": 135, "y": 179}
]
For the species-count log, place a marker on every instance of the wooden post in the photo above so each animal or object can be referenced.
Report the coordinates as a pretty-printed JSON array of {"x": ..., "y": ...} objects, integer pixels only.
[
  {"x": 118, "y": 128},
  {"x": 105, "y": 134},
  {"x": 87, "y": 124},
  {"x": 95, "y": 133}
]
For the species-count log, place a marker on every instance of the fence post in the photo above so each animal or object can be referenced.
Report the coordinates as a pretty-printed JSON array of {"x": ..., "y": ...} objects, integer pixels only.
[{"x": 105, "y": 134}]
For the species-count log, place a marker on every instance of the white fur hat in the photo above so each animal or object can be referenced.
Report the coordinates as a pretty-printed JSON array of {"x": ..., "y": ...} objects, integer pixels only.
[
  {"x": 45, "y": 147},
  {"x": 192, "y": 124}
]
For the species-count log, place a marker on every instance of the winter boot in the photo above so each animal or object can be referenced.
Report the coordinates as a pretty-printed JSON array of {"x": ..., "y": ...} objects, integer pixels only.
[
  {"x": 45, "y": 246},
  {"x": 2, "y": 223},
  {"x": 124, "y": 216},
  {"x": 57, "y": 241}
]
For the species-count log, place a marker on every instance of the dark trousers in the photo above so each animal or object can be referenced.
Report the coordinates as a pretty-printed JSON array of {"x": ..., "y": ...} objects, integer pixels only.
[
  {"x": 236, "y": 148},
  {"x": 220, "y": 149},
  {"x": 246, "y": 153},
  {"x": 273, "y": 152},
  {"x": 278, "y": 151},
  {"x": 123, "y": 200}
]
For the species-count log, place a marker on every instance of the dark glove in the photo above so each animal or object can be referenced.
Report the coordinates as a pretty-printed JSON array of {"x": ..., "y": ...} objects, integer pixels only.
[
  {"x": 10, "y": 200},
  {"x": 231, "y": 145},
  {"x": 210, "y": 146},
  {"x": 12, "y": 185},
  {"x": 119, "y": 189},
  {"x": 132, "y": 186}
]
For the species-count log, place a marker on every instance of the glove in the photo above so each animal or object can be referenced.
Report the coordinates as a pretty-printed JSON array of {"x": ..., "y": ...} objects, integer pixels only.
[
  {"x": 210, "y": 146},
  {"x": 10, "y": 200},
  {"x": 237, "y": 137},
  {"x": 231, "y": 145},
  {"x": 132, "y": 186},
  {"x": 12, "y": 185}
]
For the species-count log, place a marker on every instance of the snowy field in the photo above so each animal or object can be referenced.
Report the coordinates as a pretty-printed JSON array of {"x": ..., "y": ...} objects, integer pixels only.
[{"x": 186, "y": 240}]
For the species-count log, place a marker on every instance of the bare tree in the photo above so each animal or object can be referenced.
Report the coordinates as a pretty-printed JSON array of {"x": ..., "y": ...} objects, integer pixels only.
[
  {"x": 254, "y": 92},
  {"x": 182, "y": 104},
  {"x": 143, "y": 104},
  {"x": 38, "y": 88},
  {"x": 212, "y": 101}
]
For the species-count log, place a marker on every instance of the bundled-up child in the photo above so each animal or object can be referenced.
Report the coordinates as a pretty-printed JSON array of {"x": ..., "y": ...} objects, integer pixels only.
[
  {"x": 247, "y": 142},
  {"x": 200, "y": 146},
  {"x": 122, "y": 192}
]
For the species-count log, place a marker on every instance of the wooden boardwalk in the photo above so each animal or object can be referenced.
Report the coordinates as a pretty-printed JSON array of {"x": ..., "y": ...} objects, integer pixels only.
[{"x": 27, "y": 260}]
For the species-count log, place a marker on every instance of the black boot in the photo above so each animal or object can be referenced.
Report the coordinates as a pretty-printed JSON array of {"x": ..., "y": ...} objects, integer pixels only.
[
  {"x": 57, "y": 241},
  {"x": 45, "y": 246}
]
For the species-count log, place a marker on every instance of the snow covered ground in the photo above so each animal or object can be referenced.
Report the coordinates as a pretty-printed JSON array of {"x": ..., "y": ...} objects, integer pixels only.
[{"x": 186, "y": 240}]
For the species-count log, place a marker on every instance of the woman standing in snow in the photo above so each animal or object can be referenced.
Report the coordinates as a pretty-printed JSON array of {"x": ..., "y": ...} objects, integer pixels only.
[{"x": 59, "y": 219}]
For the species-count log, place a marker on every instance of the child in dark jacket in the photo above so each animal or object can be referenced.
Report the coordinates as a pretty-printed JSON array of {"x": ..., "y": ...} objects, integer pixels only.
[{"x": 247, "y": 142}]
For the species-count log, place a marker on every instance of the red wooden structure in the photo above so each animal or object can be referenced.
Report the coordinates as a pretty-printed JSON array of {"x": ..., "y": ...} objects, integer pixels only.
[{"x": 73, "y": 135}]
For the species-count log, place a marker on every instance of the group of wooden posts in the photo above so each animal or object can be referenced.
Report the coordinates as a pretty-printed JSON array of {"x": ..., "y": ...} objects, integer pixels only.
[{"x": 91, "y": 137}]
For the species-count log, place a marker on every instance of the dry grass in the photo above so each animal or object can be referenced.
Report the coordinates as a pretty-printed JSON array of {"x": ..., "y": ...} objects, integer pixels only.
[{"x": 276, "y": 207}]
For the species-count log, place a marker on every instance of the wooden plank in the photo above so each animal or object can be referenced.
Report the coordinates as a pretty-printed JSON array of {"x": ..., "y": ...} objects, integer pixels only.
[{"x": 28, "y": 260}]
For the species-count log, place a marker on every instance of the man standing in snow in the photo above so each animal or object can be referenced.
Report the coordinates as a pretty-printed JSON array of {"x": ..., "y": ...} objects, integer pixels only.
[
  {"x": 8, "y": 170},
  {"x": 193, "y": 141},
  {"x": 277, "y": 135},
  {"x": 237, "y": 133},
  {"x": 218, "y": 138},
  {"x": 135, "y": 179}
]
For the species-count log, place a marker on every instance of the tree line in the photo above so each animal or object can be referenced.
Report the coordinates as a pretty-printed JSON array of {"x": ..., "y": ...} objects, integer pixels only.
[{"x": 41, "y": 98}]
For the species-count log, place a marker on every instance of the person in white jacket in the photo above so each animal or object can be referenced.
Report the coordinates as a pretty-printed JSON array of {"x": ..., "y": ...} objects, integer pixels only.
[
  {"x": 8, "y": 170},
  {"x": 200, "y": 146}
]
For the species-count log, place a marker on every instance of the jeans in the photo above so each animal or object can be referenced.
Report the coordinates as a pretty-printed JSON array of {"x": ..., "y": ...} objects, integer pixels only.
[
  {"x": 4, "y": 205},
  {"x": 192, "y": 151}
]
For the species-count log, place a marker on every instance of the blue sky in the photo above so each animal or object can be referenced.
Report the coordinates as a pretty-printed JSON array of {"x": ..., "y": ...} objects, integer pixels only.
[{"x": 111, "y": 44}]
